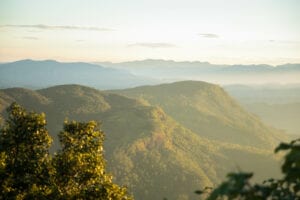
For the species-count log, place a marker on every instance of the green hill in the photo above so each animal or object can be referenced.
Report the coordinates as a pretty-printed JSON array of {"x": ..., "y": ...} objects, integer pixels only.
[
  {"x": 146, "y": 149},
  {"x": 209, "y": 111}
]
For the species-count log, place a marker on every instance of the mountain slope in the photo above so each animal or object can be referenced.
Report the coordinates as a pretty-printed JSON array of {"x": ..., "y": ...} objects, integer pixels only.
[
  {"x": 146, "y": 149},
  {"x": 41, "y": 74},
  {"x": 208, "y": 110}
]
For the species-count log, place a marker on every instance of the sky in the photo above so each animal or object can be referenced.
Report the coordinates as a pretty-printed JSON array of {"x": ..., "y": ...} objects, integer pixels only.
[{"x": 215, "y": 31}]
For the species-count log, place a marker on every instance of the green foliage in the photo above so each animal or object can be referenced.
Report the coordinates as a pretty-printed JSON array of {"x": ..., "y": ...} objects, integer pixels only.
[
  {"x": 80, "y": 164},
  {"x": 209, "y": 111},
  {"x": 239, "y": 186},
  {"x": 24, "y": 163},
  {"x": 77, "y": 172},
  {"x": 144, "y": 146}
]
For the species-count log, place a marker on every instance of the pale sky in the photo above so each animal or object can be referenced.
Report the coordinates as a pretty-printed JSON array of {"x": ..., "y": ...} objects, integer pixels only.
[{"x": 216, "y": 31}]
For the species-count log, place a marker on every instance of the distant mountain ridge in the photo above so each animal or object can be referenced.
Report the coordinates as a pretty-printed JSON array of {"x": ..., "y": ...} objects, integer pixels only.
[
  {"x": 168, "y": 70},
  {"x": 170, "y": 63},
  {"x": 41, "y": 74}
]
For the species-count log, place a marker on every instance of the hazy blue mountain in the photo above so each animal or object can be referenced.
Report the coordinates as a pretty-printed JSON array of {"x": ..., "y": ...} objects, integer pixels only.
[
  {"x": 288, "y": 67},
  {"x": 41, "y": 74},
  {"x": 168, "y": 70}
]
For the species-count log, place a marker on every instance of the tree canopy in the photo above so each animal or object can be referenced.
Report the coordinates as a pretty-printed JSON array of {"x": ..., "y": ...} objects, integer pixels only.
[
  {"x": 25, "y": 160},
  {"x": 80, "y": 166},
  {"x": 77, "y": 171}
]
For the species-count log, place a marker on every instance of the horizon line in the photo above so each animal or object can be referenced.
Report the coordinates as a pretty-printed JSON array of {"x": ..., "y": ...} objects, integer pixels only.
[{"x": 143, "y": 60}]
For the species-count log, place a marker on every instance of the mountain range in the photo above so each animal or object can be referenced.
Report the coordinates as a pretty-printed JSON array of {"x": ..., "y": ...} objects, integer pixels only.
[
  {"x": 166, "y": 140},
  {"x": 168, "y": 70},
  {"x": 41, "y": 74}
]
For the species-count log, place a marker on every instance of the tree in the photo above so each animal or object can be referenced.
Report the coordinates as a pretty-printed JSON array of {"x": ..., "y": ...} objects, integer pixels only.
[
  {"x": 239, "y": 186},
  {"x": 27, "y": 171},
  {"x": 24, "y": 156},
  {"x": 81, "y": 167}
]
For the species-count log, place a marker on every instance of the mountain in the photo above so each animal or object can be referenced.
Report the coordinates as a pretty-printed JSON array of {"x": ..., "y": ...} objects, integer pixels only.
[
  {"x": 168, "y": 70},
  {"x": 41, "y": 74},
  {"x": 208, "y": 110},
  {"x": 147, "y": 149}
]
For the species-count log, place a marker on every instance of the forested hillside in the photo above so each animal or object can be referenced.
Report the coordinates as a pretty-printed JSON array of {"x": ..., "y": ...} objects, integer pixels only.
[
  {"x": 209, "y": 111},
  {"x": 154, "y": 152}
]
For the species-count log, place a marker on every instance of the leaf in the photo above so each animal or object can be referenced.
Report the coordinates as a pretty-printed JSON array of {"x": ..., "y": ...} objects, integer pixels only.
[{"x": 282, "y": 146}]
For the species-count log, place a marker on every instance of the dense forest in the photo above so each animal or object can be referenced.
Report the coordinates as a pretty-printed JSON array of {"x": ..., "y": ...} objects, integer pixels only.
[
  {"x": 77, "y": 171},
  {"x": 149, "y": 100},
  {"x": 151, "y": 150}
]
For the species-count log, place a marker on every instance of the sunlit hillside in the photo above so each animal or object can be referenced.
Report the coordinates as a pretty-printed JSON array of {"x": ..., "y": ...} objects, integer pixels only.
[{"x": 147, "y": 145}]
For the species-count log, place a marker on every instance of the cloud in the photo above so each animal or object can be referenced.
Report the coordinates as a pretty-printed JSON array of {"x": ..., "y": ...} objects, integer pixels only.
[
  {"x": 30, "y": 38},
  {"x": 209, "y": 35},
  {"x": 153, "y": 45},
  {"x": 295, "y": 42},
  {"x": 49, "y": 27}
]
